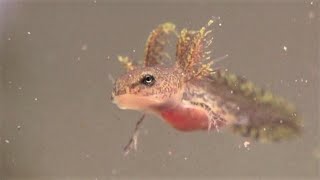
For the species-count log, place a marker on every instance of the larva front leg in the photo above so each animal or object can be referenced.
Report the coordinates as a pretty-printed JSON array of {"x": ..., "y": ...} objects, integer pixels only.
[{"x": 214, "y": 118}]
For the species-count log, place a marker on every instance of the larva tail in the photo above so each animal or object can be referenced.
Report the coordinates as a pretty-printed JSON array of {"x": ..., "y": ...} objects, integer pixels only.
[
  {"x": 269, "y": 132},
  {"x": 261, "y": 115}
]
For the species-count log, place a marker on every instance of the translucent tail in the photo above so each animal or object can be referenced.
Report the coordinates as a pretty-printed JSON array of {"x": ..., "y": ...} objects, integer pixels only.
[{"x": 260, "y": 114}]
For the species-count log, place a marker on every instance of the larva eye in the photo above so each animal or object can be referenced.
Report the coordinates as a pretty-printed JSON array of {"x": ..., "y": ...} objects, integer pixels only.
[{"x": 148, "y": 80}]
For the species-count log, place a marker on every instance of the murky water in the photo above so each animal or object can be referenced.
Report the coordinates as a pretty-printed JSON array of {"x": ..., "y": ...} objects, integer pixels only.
[{"x": 57, "y": 120}]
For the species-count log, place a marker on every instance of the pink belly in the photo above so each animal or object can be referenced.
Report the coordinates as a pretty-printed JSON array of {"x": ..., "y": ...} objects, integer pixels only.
[{"x": 186, "y": 118}]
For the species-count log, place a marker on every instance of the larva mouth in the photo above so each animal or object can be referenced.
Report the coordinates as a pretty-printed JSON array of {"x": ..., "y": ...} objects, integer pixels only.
[{"x": 134, "y": 102}]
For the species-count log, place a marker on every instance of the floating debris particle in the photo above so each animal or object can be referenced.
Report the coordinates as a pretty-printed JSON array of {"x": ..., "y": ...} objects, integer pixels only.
[
  {"x": 285, "y": 48},
  {"x": 246, "y": 144},
  {"x": 7, "y": 141},
  {"x": 28, "y": 32},
  {"x": 36, "y": 99}
]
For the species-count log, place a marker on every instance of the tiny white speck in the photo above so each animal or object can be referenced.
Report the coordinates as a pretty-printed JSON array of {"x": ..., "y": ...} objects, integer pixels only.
[
  {"x": 231, "y": 92},
  {"x": 9, "y": 82},
  {"x": 306, "y": 81},
  {"x": 238, "y": 108},
  {"x": 108, "y": 57},
  {"x": 311, "y": 2},
  {"x": 246, "y": 144},
  {"x": 296, "y": 80},
  {"x": 78, "y": 58},
  {"x": 20, "y": 88},
  {"x": 281, "y": 121},
  {"x": 94, "y": 1},
  {"x": 185, "y": 158},
  {"x": 264, "y": 129},
  {"x": 134, "y": 50},
  {"x": 285, "y": 48},
  {"x": 226, "y": 70},
  {"x": 301, "y": 79},
  {"x": 28, "y": 32},
  {"x": 170, "y": 153},
  {"x": 7, "y": 141},
  {"x": 18, "y": 127},
  {"x": 36, "y": 99},
  {"x": 9, "y": 38},
  {"x": 220, "y": 24}
]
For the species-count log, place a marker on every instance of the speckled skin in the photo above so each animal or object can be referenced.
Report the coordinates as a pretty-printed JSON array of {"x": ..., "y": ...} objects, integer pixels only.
[
  {"x": 164, "y": 88},
  {"x": 190, "y": 95},
  {"x": 166, "y": 91}
]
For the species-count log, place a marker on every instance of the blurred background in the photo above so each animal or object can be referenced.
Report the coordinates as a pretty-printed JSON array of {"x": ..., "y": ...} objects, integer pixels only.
[{"x": 57, "y": 59}]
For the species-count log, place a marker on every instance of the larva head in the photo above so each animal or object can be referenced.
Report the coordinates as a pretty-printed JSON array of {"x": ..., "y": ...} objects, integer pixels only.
[{"x": 147, "y": 88}]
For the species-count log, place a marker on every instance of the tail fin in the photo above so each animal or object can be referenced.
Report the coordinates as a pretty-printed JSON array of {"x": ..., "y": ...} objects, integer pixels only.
[
  {"x": 269, "y": 132},
  {"x": 267, "y": 117}
]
